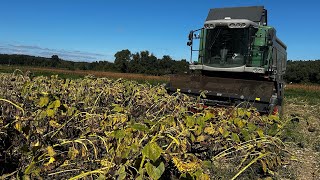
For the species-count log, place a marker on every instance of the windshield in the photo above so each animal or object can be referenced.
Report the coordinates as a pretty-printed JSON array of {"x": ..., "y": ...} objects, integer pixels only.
[{"x": 225, "y": 47}]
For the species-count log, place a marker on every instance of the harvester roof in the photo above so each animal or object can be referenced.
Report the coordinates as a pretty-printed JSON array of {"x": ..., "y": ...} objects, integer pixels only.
[{"x": 256, "y": 14}]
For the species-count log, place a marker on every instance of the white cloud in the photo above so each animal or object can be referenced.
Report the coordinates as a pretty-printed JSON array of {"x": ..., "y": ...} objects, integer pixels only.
[{"x": 47, "y": 52}]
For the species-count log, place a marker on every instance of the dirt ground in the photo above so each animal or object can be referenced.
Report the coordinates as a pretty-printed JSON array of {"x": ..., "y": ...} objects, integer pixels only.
[{"x": 302, "y": 137}]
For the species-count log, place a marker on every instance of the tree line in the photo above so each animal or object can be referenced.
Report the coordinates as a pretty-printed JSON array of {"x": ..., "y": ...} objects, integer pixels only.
[
  {"x": 142, "y": 62},
  {"x": 145, "y": 62},
  {"x": 303, "y": 72}
]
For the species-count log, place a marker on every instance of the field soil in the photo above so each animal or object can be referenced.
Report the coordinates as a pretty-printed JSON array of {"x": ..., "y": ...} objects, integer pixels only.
[{"x": 302, "y": 135}]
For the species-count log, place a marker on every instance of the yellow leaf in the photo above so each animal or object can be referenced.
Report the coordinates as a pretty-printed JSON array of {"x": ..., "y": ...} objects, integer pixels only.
[
  {"x": 192, "y": 137},
  {"x": 123, "y": 118},
  {"x": 183, "y": 167},
  {"x": 264, "y": 166},
  {"x": 204, "y": 177},
  {"x": 18, "y": 126},
  {"x": 208, "y": 115},
  {"x": 54, "y": 124},
  {"x": 51, "y": 151},
  {"x": 56, "y": 103},
  {"x": 183, "y": 146},
  {"x": 40, "y": 130},
  {"x": 83, "y": 152},
  {"x": 259, "y": 145},
  {"x": 37, "y": 144},
  {"x": 50, "y": 112},
  {"x": 239, "y": 122},
  {"x": 221, "y": 130},
  {"x": 260, "y": 133},
  {"x": 248, "y": 113},
  {"x": 43, "y": 101},
  {"x": 51, "y": 160},
  {"x": 72, "y": 153},
  {"x": 105, "y": 163},
  {"x": 209, "y": 130},
  {"x": 201, "y": 138},
  {"x": 162, "y": 127}
]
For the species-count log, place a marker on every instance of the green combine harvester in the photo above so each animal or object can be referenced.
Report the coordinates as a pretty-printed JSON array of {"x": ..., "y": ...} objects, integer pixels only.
[{"x": 241, "y": 62}]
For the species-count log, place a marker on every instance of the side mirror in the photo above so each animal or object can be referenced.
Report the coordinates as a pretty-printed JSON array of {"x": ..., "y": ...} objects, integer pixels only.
[
  {"x": 190, "y": 35},
  {"x": 189, "y": 43}
]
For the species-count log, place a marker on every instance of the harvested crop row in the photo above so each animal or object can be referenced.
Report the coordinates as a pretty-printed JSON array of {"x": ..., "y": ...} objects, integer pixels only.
[{"x": 100, "y": 128}]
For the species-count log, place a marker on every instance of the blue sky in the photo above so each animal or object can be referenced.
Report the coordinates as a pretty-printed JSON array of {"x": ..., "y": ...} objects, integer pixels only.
[{"x": 96, "y": 29}]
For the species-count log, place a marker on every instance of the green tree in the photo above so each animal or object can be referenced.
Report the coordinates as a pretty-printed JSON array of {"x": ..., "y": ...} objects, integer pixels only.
[
  {"x": 122, "y": 59},
  {"x": 55, "y": 60}
]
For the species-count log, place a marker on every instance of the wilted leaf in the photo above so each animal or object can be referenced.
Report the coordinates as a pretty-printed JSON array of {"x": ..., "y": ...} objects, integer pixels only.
[
  {"x": 192, "y": 137},
  {"x": 50, "y": 112},
  {"x": 152, "y": 151},
  {"x": 140, "y": 127},
  {"x": 200, "y": 121},
  {"x": 203, "y": 177},
  {"x": 51, "y": 151},
  {"x": 225, "y": 133},
  {"x": 198, "y": 130},
  {"x": 155, "y": 172},
  {"x": 246, "y": 135},
  {"x": 51, "y": 160},
  {"x": 125, "y": 153},
  {"x": 54, "y": 124},
  {"x": 241, "y": 112},
  {"x": 235, "y": 137},
  {"x": 190, "y": 121},
  {"x": 18, "y": 126},
  {"x": 121, "y": 173},
  {"x": 43, "y": 101},
  {"x": 207, "y": 164},
  {"x": 83, "y": 152},
  {"x": 248, "y": 113},
  {"x": 72, "y": 153},
  {"x": 239, "y": 122},
  {"x": 102, "y": 177},
  {"x": 36, "y": 144},
  {"x": 209, "y": 130},
  {"x": 251, "y": 127},
  {"x": 119, "y": 134},
  {"x": 274, "y": 117},
  {"x": 260, "y": 133},
  {"x": 117, "y": 108},
  {"x": 56, "y": 104},
  {"x": 264, "y": 166},
  {"x": 209, "y": 115},
  {"x": 43, "y": 114},
  {"x": 105, "y": 163},
  {"x": 273, "y": 130},
  {"x": 201, "y": 138}
]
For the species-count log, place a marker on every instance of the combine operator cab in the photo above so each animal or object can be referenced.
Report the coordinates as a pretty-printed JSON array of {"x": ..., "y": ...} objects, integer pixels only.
[{"x": 240, "y": 59}]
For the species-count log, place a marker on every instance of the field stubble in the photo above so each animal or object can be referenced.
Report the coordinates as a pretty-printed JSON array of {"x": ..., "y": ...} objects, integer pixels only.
[{"x": 302, "y": 132}]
